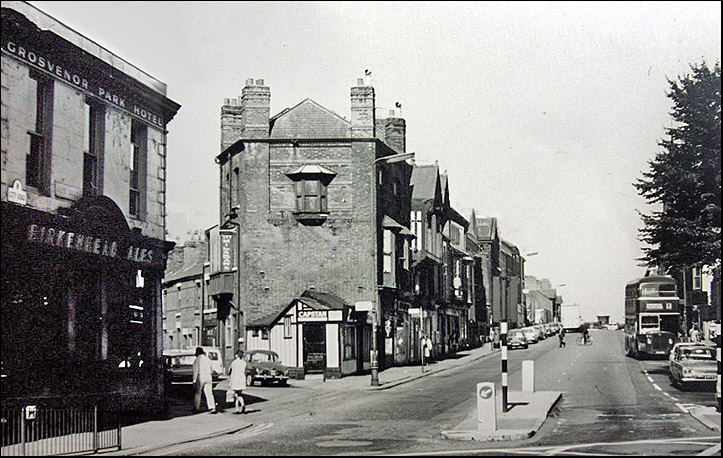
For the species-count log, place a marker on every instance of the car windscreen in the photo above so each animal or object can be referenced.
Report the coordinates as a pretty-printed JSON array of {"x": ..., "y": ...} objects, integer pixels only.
[
  {"x": 183, "y": 360},
  {"x": 263, "y": 357},
  {"x": 703, "y": 354}
]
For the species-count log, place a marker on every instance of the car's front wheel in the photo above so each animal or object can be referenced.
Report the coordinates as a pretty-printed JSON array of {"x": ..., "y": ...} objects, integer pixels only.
[{"x": 249, "y": 380}]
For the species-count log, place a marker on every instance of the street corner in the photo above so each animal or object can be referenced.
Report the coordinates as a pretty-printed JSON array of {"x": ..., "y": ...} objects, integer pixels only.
[
  {"x": 708, "y": 416},
  {"x": 489, "y": 436}
]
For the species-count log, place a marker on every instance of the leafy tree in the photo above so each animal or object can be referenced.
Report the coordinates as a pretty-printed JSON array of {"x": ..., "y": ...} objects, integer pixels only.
[{"x": 685, "y": 177}]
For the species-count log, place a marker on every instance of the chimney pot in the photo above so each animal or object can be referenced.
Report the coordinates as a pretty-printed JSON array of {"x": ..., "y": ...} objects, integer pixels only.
[
  {"x": 250, "y": 82},
  {"x": 391, "y": 113},
  {"x": 259, "y": 82},
  {"x": 360, "y": 81},
  {"x": 227, "y": 101}
]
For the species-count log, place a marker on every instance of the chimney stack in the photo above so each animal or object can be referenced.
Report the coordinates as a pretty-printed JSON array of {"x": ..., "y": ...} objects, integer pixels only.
[
  {"x": 246, "y": 116},
  {"x": 362, "y": 109}
]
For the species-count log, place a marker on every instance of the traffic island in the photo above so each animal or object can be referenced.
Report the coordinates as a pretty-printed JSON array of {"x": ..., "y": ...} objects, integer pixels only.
[{"x": 525, "y": 415}]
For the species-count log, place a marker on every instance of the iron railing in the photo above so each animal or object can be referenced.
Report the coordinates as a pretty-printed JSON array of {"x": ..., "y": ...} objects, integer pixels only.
[{"x": 34, "y": 431}]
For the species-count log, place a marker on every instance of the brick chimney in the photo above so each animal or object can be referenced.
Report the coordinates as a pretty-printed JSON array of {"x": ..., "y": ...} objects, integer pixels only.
[
  {"x": 362, "y": 110},
  {"x": 256, "y": 103},
  {"x": 394, "y": 132},
  {"x": 246, "y": 116}
]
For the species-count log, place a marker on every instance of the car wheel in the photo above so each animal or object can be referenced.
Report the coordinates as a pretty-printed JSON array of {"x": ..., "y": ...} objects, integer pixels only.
[
  {"x": 249, "y": 380},
  {"x": 283, "y": 383}
]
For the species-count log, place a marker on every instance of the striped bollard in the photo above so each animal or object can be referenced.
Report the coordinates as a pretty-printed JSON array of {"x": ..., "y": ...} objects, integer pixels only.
[
  {"x": 717, "y": 357},
  {"x": 503, "y": 343}
]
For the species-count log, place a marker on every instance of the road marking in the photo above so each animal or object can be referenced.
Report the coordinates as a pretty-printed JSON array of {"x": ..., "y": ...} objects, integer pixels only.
[
  {"x": 670, "y": 396},
  {"x": 650, "y": 379},
  {"x": 657, "y": 387},
  {"x": 714, "y": 450}
]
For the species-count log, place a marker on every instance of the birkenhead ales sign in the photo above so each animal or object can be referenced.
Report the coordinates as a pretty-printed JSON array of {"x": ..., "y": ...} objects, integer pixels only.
[{"x": 90, "y": 244}]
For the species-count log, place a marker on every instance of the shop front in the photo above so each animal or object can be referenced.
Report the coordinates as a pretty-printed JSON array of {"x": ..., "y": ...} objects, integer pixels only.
[
  {"x": 317, "y": 333},
  {"x": 81, "y": 295}
]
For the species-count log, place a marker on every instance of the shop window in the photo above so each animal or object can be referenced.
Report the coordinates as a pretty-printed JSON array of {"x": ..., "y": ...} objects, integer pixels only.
[
  {"x": 92, "y": 148},
  {"x": 350, "y": 347},
  {"x": 287, "y": 328},
  {"x": 37, "y": 161},
  {"x": 136, "y": 206}
]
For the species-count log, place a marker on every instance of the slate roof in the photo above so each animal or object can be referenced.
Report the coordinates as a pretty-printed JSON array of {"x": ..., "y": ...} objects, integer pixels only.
[
  {"x": 194, "y": 270},
  {"x": 314, "y": 299},
  {"x": 424, "y": 181},
  {"x": 486, "y": 228}
]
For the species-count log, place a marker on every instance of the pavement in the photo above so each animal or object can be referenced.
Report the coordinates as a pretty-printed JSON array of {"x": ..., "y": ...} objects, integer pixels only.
[{"x": 523, "y": 419}]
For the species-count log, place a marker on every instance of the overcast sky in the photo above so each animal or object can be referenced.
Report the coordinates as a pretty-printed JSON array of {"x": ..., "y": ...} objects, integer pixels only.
[{"x": 543, "y": 114}]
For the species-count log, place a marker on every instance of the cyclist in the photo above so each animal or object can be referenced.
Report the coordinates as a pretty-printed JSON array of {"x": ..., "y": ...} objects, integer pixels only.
[{"x": 585, "y": 334}]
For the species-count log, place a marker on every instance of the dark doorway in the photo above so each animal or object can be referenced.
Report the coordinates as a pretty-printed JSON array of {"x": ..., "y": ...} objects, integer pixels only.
[{"x": 314, "y": 348}]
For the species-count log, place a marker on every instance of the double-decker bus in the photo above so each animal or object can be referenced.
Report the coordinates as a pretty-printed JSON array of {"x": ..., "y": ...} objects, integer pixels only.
[{"x": 652, "y": 316}]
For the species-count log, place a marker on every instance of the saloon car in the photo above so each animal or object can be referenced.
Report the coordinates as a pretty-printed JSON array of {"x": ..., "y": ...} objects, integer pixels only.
[
  {"x": 264, "y": 366},
  {"x": 516, "y": 339},
  {"x": 178, "y": 365},
  {"x": 692, "y": 363}
]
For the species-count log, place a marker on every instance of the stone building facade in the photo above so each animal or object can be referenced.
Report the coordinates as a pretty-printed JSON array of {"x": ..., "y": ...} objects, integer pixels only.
[{"x": 83, "y": 219}]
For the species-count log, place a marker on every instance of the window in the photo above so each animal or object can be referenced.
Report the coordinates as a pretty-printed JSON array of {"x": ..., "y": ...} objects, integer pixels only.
[
  {"x": 648, "y": 321},
  {"x": 265, "y": 334},
  {"x": 92, "y": 149},
  {"x": 405, "y": 255},
  {"x": 311, "y": 197},
  {"x": 287, "y": 327},
  {"x": 417, "y": 229},
  {"x": 37, "y": 162},
  {"x": 235, "y": 188},
  {"x": 137, "y": 169},
  {"x": 310, "y": 185},
  {"x": 697, "y": 278},
  {"x": 254, "y": 332},
  {"x": 388, "y": 252},
  {"x": 350, "y": 343}
]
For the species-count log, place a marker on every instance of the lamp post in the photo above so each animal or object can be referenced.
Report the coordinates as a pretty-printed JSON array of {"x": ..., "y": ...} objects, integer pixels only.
[{"x": 376, "y": 309}]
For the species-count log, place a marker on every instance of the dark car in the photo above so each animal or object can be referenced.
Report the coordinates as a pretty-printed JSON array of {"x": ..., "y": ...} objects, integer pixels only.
[
  {"x": 264, "y": 366},
  {"x": 178, "y": 365}
]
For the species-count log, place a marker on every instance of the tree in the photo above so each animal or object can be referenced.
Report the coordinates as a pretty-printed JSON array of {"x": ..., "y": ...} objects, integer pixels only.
[{"x": 685, "y": 177}]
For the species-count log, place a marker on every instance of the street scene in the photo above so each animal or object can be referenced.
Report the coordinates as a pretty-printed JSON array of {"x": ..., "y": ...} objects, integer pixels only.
[{"x": 273, "y": 228}]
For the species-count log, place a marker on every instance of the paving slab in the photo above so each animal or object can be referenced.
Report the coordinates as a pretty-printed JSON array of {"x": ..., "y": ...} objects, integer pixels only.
[{"x": 709, "y": 416}]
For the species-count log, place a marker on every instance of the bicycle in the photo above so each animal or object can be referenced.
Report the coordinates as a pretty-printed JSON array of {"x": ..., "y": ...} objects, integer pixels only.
[{"x": 581, "y": 341}]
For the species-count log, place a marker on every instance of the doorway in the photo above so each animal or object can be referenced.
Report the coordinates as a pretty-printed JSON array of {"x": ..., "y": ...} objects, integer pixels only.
[{"x": 314, "y": 348}]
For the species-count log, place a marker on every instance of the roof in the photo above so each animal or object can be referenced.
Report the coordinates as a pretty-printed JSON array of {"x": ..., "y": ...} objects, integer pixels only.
[
  {"x": 194, "y": 270},
  {"x": 308, "y": 119},
  {"x": 390, "y": 223},
  {"x": 311, "y": 169},
  {"x": 424, "y": 181},
  {"x": 486, "y": 228},
  {"x": 315, "y": 299}
]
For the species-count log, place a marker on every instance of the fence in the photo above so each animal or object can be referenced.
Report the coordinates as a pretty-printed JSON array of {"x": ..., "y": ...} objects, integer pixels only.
[{"x": 31, "y": 431}]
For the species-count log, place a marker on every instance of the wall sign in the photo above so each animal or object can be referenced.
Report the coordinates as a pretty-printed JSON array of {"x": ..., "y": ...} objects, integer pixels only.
[
  {"x": 16, "y": 194},
  {"x": 58, "y": 69}
]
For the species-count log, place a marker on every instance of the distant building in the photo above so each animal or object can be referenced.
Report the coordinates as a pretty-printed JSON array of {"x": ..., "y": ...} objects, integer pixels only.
[{"x": 83, "y": 219}]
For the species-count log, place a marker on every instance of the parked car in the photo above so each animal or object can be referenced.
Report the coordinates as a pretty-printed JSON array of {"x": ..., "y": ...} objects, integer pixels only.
[
  {"x": 516, "y": 339},
  {"x": 531, "y": 334},
  {"x": 692, "y": 362},
  {"x": 178, "y": 365},
  {"x": 549, "y": 329},
  {"x": 540, "y": 331},
  {"x": 265, "y": 366}
]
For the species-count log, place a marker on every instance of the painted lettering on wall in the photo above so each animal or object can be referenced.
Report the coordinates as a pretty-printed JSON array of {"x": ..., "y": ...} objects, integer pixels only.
[
  {"x": 60, "y": 71},
  {"x": 86, "y": 243},
  {"x": 312, "y": 315}
]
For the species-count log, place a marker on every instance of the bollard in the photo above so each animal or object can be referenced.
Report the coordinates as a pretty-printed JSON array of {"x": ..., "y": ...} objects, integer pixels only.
[
  {"x": 503, "y": 342},
  {"x": 486, "y": 407},
  {"x": 528, "y": 376}
]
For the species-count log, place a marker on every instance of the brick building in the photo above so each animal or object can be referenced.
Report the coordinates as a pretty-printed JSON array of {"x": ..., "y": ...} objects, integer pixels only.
[
  {"x": 83, "y": 219},
  {"x": 319, "y": 220}
]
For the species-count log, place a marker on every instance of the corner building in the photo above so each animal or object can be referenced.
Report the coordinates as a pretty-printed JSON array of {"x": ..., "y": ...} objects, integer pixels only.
[
  {"x": 83, "y": 220},
  {"x": 324, "y": 230}
]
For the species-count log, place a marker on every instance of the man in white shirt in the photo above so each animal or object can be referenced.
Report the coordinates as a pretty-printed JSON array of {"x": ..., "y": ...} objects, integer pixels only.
[
  {"x": 237, "y": 381},
  {"x": 203, "y": 381}
]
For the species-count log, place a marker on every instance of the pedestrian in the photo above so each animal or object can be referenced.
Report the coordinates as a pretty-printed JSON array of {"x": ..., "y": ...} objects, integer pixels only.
[
  {"x": 694, "y": 333},
  {"x": 429, "y": 349},
  {"x": 237, "y": 382},
  {"x": 425, "y": 350},
  {"x": 561, "y": 336},
  {"x": 203, "y": 381}
]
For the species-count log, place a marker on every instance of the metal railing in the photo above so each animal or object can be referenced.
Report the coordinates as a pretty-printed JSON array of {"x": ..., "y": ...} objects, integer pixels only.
[{"x": 33, "y": 431}]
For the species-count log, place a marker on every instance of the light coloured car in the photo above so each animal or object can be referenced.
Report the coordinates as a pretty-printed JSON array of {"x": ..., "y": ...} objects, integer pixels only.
[
  {"x": 540, "y": 331},
  {"x": 692, "y": 362},
  {"x": 516, "y": 339},
  {"x": 531, "y": 334}
]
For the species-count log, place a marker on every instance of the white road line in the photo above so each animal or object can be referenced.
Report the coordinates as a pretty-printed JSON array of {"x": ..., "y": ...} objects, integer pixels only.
[
  {"x": 714, "y": 450},
  {"x": 650, "y": 379},
  {"x": 657, "y": 387}
]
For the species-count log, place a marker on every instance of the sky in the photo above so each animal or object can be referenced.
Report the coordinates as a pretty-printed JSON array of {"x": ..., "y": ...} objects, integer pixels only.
[{"x": 543, "y": 114}]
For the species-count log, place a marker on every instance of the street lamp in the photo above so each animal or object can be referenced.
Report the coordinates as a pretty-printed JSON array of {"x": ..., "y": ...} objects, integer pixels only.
[{"x": 376, "y": 309}]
